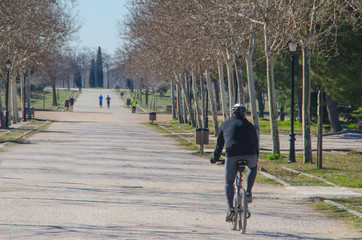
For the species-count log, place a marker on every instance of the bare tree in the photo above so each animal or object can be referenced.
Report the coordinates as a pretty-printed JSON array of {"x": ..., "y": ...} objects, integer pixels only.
[
  {"x": 312, "y": 23},
  {"x": 28, "y": 29}
]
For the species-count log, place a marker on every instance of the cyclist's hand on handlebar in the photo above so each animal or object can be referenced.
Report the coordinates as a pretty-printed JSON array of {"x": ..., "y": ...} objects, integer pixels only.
[{"x": 213, "y": 160}]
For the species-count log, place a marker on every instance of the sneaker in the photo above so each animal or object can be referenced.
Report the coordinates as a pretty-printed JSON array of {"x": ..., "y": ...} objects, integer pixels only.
[
  {"x": 249, "y": 197},
  {"x": 229, "y": 215}
]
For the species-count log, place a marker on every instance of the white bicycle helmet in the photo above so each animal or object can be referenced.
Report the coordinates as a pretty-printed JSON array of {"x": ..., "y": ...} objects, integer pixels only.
[{"x": 239, "y": 109}]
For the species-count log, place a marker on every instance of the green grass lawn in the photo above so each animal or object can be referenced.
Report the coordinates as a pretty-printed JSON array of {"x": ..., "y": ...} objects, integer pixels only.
[
  {"x": 342, "y": 169},
  {"x": 335, "y": 212},
  {"x": 44, "y": 100}
]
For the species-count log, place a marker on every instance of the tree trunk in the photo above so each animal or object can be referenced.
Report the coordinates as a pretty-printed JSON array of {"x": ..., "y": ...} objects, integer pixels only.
[
  {"x": 239, "y": 78},
  {"x": 282, "y": 114},
  {"x": 22, "y": 88},
  {"x": 261, "y": 104},
  {"x": 203, "y": 96},
  {"x": 222, "y": 89},
  {"x": 146, "y": 97},
  {"x": 83, "y": 78},
  {"x": 28, "y": 95},
  {"x": 2, "y": 116},
  {"x": 173, "y": 98},
  {"x": 184, "y": 110},
  {"x": 251, "y": 85},
  {"x": 185, "y": 91},
  {"x": 333, "y": 114},
  {"x": 231, "y": 88},
  {"x": 273, "y": 111},
  {"x": 14, "y": 105},
  {"x": 196, "y": 100},
  {"x": 11, "y": 114},
  {"x": 54, "y": 91},
  {"x": 179, "y": 104},
  {"x": 186, "y": 96},
  {"x": 229, "y": 61},
  {"x": 217, "y": 93},
  {"x": 154, "y": 106},
  {"x": 307, "y": 142},
  {"x": 320, "y": 128},
  {"x": 212, "y": 102},
  {"x": 300, "y": 107}
]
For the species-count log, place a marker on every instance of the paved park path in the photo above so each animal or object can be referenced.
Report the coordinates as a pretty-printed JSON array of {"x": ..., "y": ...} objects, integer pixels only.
[{"x": 100, "y": 174}]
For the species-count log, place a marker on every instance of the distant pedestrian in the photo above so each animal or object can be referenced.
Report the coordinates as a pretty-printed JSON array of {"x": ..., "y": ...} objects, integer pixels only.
[
  {"x": 101, "y": 101},
  {"x": 71, "y": 103},
  {"x": 108, "y": 101},
  {"x": 134, "y": 105}
]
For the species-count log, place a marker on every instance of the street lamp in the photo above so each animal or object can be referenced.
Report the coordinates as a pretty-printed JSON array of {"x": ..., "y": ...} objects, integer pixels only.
[
  {"x": 292, "y": 49},
  {"x": 7, "y": 67}
]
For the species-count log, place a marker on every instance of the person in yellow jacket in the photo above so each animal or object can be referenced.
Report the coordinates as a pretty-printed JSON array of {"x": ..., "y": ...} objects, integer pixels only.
[{"x": 134, "y": 105}]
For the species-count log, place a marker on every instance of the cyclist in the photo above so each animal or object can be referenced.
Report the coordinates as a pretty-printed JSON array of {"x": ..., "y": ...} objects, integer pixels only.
[
  {"x": 134, "y": 105},
  {"x": 241, "y": 143}
]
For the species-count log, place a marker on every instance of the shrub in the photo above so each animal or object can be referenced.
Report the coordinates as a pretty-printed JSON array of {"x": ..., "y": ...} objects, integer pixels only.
[{"x": 273, "y": 156}]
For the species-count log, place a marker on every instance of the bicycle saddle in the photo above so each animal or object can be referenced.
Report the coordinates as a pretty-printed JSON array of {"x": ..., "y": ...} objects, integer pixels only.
[{"x": 241, "y": 164}]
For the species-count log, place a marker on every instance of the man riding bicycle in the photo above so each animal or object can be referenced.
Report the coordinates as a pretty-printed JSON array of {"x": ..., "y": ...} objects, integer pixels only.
[{"x": 241, "y": 143}]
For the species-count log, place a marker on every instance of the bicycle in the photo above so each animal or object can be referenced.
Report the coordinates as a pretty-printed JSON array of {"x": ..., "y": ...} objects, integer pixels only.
[{"x": 241, "y": 210}]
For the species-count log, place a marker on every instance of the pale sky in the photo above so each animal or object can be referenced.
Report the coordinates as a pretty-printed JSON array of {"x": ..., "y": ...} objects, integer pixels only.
[{"x": 99, "y": 26}]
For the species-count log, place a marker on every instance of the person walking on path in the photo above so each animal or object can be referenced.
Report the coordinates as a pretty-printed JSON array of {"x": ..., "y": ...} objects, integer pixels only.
[
  {"x": 101, "y": 101},
  {"x": 108, "y": 101},
  {"x": 241, "y": 143},
  {"x": 134, "y": 105},
  {"x": 71, "y": 103}
]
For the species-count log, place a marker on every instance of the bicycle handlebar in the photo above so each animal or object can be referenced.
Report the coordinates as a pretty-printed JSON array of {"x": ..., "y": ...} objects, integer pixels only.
[{"x": 221, "y": 161}]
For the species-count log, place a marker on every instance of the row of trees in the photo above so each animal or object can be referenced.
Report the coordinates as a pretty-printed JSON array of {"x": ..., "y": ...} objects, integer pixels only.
[
  {"x": 81, "y": 68},
  {"x": 32, "y": 34},
  {"x": 189, "y": 43}
]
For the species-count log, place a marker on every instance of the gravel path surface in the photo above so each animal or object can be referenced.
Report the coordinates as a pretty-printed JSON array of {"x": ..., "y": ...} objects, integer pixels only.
[{"x": 100, "y": 174}]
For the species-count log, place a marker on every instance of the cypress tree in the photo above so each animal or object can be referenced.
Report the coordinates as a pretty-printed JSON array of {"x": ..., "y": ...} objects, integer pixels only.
[
  {"x": 92, "y": 74},
  {"x": 99, "y": 69}
]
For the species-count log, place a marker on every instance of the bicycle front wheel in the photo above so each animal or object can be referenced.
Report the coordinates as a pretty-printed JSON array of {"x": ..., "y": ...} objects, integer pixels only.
[{"x": 244, "y": 212}]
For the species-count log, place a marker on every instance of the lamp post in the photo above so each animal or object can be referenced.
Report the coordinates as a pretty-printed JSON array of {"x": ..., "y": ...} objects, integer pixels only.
[
  {"x": 292, "y": 49},
  {"x": 7, "y": 67}
]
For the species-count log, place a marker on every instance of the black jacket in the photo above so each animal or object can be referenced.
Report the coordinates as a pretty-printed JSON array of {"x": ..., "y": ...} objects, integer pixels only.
[{"x": 240, "y": 138}]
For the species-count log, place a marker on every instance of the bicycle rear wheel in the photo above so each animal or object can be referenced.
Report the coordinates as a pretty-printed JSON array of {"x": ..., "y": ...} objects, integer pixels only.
[
  {"x": 244, "y": 211},
  {"x": 236, "y": 217}
]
